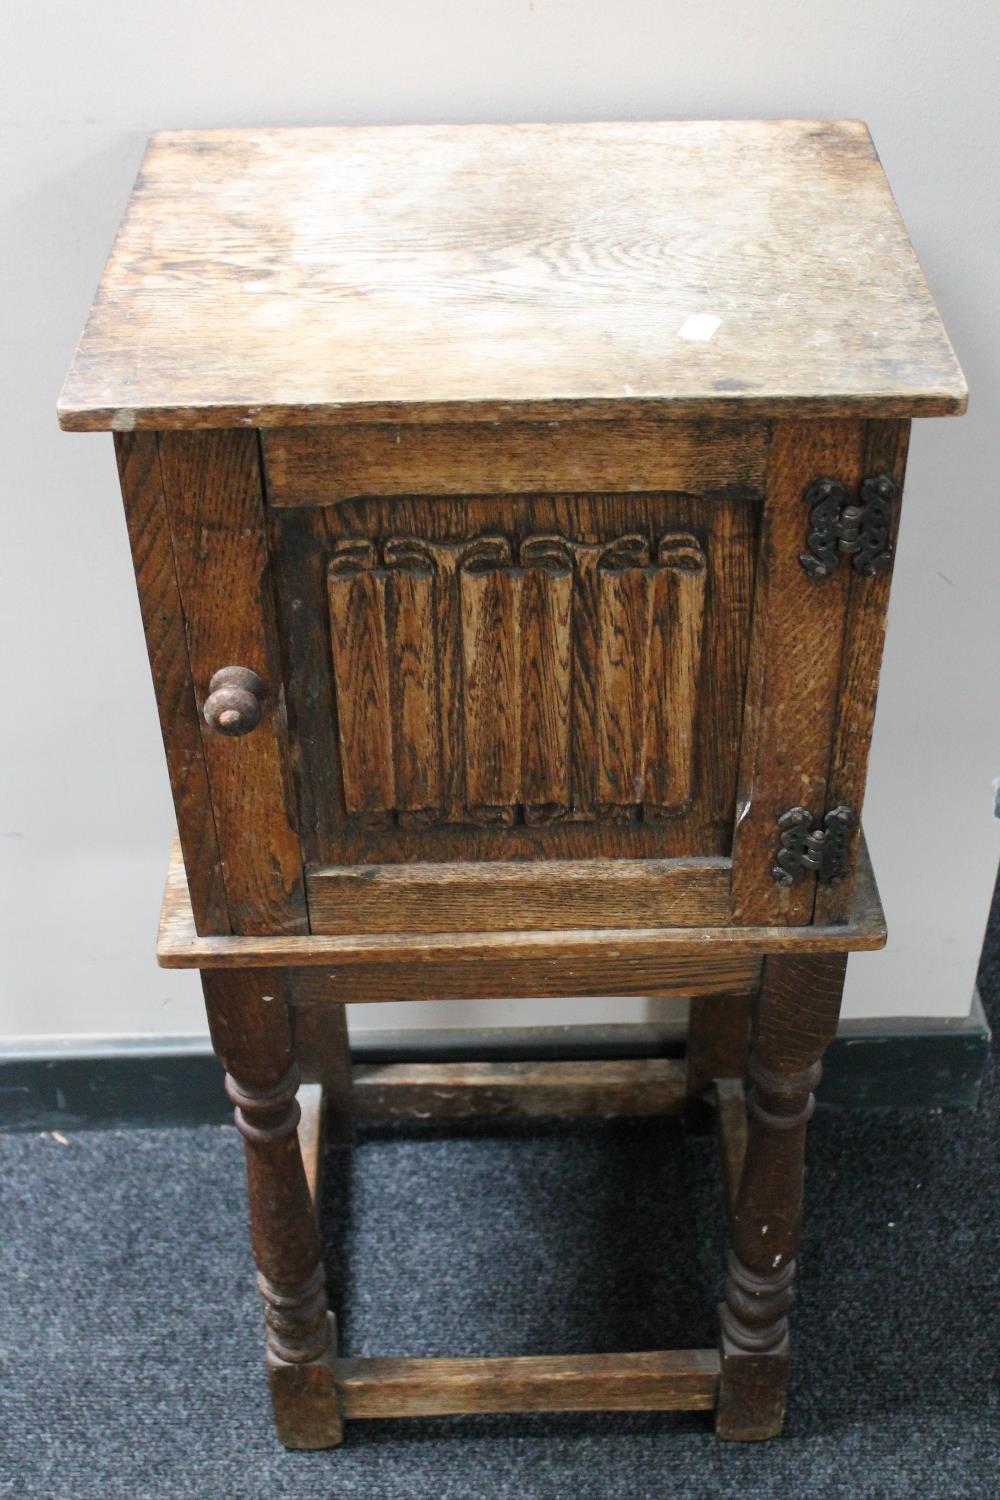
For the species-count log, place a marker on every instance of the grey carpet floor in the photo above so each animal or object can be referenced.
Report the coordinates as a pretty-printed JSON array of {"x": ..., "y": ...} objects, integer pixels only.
[{"x": 130, "y": 1337}]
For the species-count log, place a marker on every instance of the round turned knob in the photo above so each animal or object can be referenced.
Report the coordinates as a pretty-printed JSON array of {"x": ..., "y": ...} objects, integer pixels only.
[{"x": 233, "y": 705}]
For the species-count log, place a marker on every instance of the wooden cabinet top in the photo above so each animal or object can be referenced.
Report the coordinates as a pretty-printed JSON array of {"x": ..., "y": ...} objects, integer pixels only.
[{"x": 432, "y": 273}]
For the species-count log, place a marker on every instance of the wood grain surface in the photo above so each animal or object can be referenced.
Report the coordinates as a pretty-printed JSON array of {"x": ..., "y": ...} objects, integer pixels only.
[
  {"x": 170, "y": 665},
  {"x": 718, "y": 1040},
  {"x": 213, "y": 493},
  {"x": 794, "y": 676},
  {"x": 490, "y": 896},
  {"x": 478, "y": 972},
  {"x": 886, "y": 445},
  {"x": 276, "y": 277},
  {"x": 321, "y": 465},
  {"x": 675, "y": 1380},
  {"x": 459, "y": 1090}
]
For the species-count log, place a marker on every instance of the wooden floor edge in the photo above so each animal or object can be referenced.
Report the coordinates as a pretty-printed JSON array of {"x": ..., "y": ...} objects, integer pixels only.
[{"x": 671, "y": 1380}]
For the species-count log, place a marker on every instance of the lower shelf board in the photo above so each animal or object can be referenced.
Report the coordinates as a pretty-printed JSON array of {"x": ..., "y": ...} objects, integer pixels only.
[{"x": 672, "y": 1380}]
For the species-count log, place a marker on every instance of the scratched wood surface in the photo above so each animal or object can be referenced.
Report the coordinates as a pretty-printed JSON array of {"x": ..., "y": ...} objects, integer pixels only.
[
  {"x": 450, "y": 1090},
  {"x": 277, "y": 277}
]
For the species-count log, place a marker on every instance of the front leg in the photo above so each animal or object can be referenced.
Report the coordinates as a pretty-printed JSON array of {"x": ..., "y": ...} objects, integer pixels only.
[
  {"x": 249, "y": 1020},
  {"x": 796, "y": 1019}
]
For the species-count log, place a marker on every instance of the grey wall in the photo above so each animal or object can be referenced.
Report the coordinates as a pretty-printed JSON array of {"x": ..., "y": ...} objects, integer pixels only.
[{"x": 86, "y": 816}]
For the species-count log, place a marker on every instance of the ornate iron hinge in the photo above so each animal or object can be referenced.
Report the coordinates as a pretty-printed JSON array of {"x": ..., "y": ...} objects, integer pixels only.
[
  {"x": 839, "y": 527},
  {"x": 807, "y": 844}
]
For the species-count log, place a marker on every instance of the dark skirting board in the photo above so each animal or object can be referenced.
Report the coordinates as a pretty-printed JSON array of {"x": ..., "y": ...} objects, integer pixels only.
[{"x": 909, "y": 1063}]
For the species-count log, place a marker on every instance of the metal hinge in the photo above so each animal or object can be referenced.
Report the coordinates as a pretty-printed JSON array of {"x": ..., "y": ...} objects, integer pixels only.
[
  {"x": 807, "y": 844},
  {"x": 840, "y": 527}
]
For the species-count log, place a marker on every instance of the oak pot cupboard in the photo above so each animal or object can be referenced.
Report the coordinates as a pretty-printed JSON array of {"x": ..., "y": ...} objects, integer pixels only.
[{"x": 513, "y": 511}]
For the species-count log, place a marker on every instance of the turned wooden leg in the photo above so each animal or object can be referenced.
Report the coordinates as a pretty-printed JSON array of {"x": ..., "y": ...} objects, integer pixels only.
[
  {"x": 249, "y": 1020},
  {"x": 796, "y": 1019}
]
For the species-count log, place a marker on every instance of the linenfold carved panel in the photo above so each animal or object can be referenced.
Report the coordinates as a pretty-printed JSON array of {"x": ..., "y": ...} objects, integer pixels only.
[{"x": 486, "y": 681}]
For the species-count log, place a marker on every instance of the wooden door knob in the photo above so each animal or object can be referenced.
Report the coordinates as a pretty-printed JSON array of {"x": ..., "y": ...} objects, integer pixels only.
[{"x": 233, "y": 705}]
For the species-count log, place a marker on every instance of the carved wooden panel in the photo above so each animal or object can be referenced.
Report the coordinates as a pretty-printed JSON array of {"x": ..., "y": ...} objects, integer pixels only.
[
  {"x": 490, "y": 680},
  {"x": 495, "y": 677}
]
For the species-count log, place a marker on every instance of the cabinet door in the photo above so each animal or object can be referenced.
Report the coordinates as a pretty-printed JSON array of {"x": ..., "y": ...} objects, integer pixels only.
[
  {"x": 526, "y": 676},
  {"x": 515, "y": 664}
]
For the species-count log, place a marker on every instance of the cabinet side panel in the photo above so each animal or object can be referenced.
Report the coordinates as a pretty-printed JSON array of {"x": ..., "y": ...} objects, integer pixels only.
[
  {"x": 212, "y": 486},
  {"x": 163, "y": 623},
  {"x": 796, "y": 644},
  {"x": 886, "y": 446}
]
